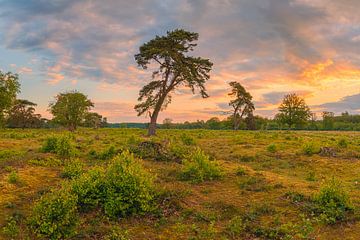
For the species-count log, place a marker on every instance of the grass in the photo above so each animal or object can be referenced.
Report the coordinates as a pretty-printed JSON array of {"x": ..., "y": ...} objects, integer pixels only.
[{"x": 272, "y": 184}]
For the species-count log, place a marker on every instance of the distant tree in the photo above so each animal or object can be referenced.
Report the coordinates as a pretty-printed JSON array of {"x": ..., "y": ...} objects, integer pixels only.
[
  {"x": 213, "y": 123},
  {"x": 293, "y": 111},
  {"x": 242, "y": 104},
  {"x": 167, "y": 123},
  {"x": 175, "y": 69},
  {"x": 250, "y": 122},
  {"x": 70, "y": 109},
  {"x": 9, "y": 88},
  {"x": 22, "y": 115},
  {"x": 328, "y": 120},
  {"x": 93, "y": 120}
]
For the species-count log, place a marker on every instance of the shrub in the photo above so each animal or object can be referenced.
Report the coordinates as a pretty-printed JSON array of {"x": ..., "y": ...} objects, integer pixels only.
[
  {"x": 187, "y": 140},
  {"x": 150, "y": 150},
  {"x": 129, "y": 188},
  {"x": 199, "y": 168},
  {"x": 236, "y": 227},
  {"x": 342, "y": 143},
  {"x": 11, "y": 229},
  {"x": 73, "y": 168},
  {"x": 47, "y": 162},
  {"x": 55, "y": 215},
  {"x": 310, "y": 148},
  {"x": 108, "y": 153},
  {"x": 13, "y": 177},
  {"x": 240, "y": 171},
  {"x": 123, "y": 188},
  {"x": 272, "y": 148},
  {"x": 50, "y": 144},
  {"x": 61, "y": 145},
  {"x": 332, "y": 203}
]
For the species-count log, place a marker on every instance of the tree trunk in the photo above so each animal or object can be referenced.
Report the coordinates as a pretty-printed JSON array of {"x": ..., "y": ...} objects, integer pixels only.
[{"x": 152, "y": 125}]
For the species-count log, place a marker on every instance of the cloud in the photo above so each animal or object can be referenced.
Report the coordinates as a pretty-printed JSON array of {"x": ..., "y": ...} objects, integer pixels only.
[
  {"x": 349, "y": 103},
  {"x": 263, "y": 44}
]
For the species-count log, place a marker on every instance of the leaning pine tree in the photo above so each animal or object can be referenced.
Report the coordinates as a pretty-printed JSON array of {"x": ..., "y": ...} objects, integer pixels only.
[{"x": 175, "y": 68}]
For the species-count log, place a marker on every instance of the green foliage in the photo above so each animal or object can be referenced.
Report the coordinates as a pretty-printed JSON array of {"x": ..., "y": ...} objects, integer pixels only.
[
  {"x": 13, "y": 177},
  {"x": 236, "y": 227},
  {"x": 242, "y": 104},
  {"x": 198, "y": 168},
  {"x": 293, "y": 111},
  {"x": 106, "y": 154},
  {"x": 46, "y": 162},
  {"x": 343, "y": 143},
  {"x": 187, "y": 140},
  {"x": 70, "y": 109},
  {"x": 62, "y": 145},
  {"x": 55, "y": 216},
  {"x": 9, "y": 88},
  {"x": 128, "y": 187},
  {"x": 310, "y": 148},
  {"x": 175, "y": 68},
  {"x": 240, "y": 171},
  {"x": 73, "y": 168},
  {"x": 272, "y": 148},
  {"x": 332, "y": 203},
  {"x": 123, "y": 188},
  {"x": 11, "y": 228}
]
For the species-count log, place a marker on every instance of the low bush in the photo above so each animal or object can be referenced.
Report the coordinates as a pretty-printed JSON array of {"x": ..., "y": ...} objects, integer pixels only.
[
  {"x": 11, "y": 228},
  {"x": 46, "y": 162},
  {"x": 332, "y": 203},
  {"x": 272, "y": 148},
  {"x": 128, "y": 187},
  {"x": 122, "y": 188},
  {"x": 198, "y": 168},
  {"x": 73, "y": 168},
  {"x": 310, "y": 148},
  {"x": 236, "y": 227},
  {"x": 106, "y": 154},
  {"x": 187, "y": 140},
  {"x": 13, "y": 177},
  {"x": 61, "y": 145},
  {"x": 342, "y": 143},
  {"x": 55, "y": 216}
]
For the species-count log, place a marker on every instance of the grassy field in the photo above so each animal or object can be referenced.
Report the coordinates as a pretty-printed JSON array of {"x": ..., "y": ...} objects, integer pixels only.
[{"x": 266, "y": 188}]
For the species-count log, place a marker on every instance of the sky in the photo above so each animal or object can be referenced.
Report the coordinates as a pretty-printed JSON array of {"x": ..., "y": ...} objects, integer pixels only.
[{"x": 272, "y": 47}]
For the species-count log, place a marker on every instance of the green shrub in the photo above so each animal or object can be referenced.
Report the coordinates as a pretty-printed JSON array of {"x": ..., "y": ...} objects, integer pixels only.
[
  {"x": 106, "y": 154},
  {"x": 332, "y": 203},
  {"x": 187, "y": 140},
  {"x": 272, "y": 148},
  {"x": 240, "y": 171},
  {"x": 342, "y": 143},
  {"x": 122, "y": 188},
  {"x": 128, "y": 187},
  {"x": 11, "y": 229},
  {"x": 236, "y": 227},
  {"x": 13, "y": 177},
  {"x": 89, "y": 189},
  {"x": 50, "y": 144},
  {"x": 55, "y": 215},
  {"x": 73, "y": 168},
  {"x": 309, "y": 148},
  {"x": 198, "y": 168},
  {"x": 62, "y": 145}
]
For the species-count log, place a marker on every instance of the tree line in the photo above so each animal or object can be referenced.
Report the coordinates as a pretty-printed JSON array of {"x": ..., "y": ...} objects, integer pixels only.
[
  {"x": 69, "y": 109},
  {"x": 175, "y": 68}
]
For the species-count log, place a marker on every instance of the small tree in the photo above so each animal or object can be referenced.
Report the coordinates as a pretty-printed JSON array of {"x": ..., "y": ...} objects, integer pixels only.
[
  {"x": 70, "y": 109},
  {"x": 167, "y": 123},
  {"x": 174, "y": 69},
  {"x": 9, "y": 88},
  {"x": 293, "y": 111},
  {"x": 242, "y": 104},
  {"x": 22, "y": 115}
]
